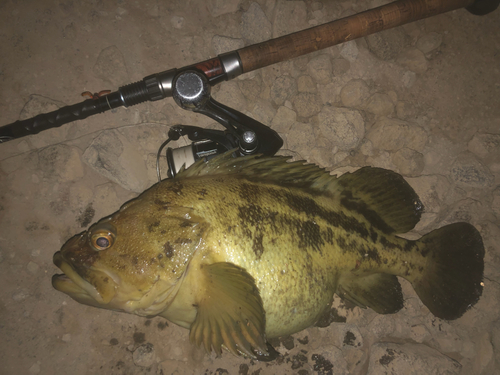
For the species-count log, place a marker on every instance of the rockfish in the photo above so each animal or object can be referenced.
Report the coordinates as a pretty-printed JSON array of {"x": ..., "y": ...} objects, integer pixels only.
[{"x": 239, "y": 250}]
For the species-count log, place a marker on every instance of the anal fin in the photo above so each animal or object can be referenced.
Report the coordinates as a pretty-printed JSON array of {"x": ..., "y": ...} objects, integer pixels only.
[
  {"x": 230, "y": 312},
  {"x": 379, "y": 291}
]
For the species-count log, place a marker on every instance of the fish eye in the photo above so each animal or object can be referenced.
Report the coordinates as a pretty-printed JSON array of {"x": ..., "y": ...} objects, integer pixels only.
[{"x": 102, "y": 240}]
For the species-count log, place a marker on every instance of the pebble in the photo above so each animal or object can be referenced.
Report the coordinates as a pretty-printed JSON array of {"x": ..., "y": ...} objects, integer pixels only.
[
  {"x": 255, "y": 27},
  {"x": 414, "y": 60},
  {"x": 66, "y": 337},
  {"x": 264, "y": 112},
  {"x": 177, "y": 22},
  {"x": 432, "y": 190},
  {"x": 392, "y": 135},
  {"x": 283, "y": 88},
  {"x": 429, "y": 42},
  {"x": 110, "y": 67},
  {"x": 33, "y": 267},
  {"x": 62, "y": 162},
  {"x": 223, "y": 44},
  {"x": 408, "y": 161},
  {"x": 306, "y": 104},
  {"x": 408, "y": 79},
  {"x": 284, "y": 119},
  {"x": 119, "y": 159},
  {"x": 306, "y": 84},
  {"x": 343, "y": 128},
  {"x": 35, "y": 368},
  {"x": 290, "y": 16},
  {"x": 231, "y": 96},
  {"x": 21, "y": 295},
  {"x": 349, "y": 51},
  {"x": 320, "y": 69},
  {"x": 387, "y": 44},
  {"x": 468, "y": 171},
  {"x": 340, "y": 66},
  {"x": 485, "y": 146},
  {"x": 379, "y": 104},
  {"x": 405, "y": 110},
  {"x": 390, "y": 358},
  {"x": 218, "y": 8},
  {"x": 354, "y": 93}
]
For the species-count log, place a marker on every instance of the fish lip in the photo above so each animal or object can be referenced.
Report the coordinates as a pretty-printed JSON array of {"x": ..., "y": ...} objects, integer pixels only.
[{"x": 70, "y": 282}]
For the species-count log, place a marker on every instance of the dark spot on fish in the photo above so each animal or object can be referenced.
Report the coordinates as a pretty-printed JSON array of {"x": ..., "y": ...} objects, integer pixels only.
[
  {"x": 120, "y": 365},
  {"x": 185, "y": 224},
  {"x": 310, "y": 236},
  {"x": 105, "y": 280},
  {"x": 257, "y": 246},
  {"x": 160, "y": 256},
  {"x": 152, "y": 226},
  {"x": 202, "y": 192},
  {"x": 147, "y": 323},
  {"x": 113, "y": 341},
  {"x": 359, "y": 206},
  {"x": 81, "y": 259},
  {"x": 410, "y": 245},
  {"x": 373, "y": 235},
  {"x": 152, "y": 260},
  {"x": 163, "y": 204},
  {"x": 195, "y": 305},
  {"x": 387, "y": 244},
  {"x": 249, "y": 192},
  {"x": 177, "y": 187},
  {"x": 135, "y": 260},
  {"x": 162, "y": 325},
  {"x": 341, "y": 242},
  {"x": 168, "y": 250},
  {"x": 85, "y": 217},
  {"x": 221, "y": 371},
  {"x": 139, "y": 337},
  {"x": 163, "y": 231},
  {"x": 328, "y": 235},
  {"x": 370, "y": 254}
]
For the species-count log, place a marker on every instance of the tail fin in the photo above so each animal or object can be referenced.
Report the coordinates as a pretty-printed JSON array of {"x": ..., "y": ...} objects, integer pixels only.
[{"x": 453, "y": 281}]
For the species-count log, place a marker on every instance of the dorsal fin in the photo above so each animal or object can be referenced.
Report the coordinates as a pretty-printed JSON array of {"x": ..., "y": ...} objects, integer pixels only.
[
  {"x": 382, "y": 196},
  {"x": 264, "y": 168}
]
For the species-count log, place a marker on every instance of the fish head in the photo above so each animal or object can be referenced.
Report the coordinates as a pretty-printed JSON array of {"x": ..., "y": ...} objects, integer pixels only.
[{"x": 131, "y": 261}]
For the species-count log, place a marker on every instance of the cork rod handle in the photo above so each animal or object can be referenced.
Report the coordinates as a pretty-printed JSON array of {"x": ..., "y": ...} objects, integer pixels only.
[{"x": 345, "y": 29}]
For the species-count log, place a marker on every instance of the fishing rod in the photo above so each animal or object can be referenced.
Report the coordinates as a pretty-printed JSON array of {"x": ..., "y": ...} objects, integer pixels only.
[{"x": 190, "y": 85}]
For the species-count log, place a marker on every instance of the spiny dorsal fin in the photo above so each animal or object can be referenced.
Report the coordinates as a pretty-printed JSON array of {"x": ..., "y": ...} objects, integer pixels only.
[
  {"x": 382, "y": 196},
  {"x": 264, "y": 168}
]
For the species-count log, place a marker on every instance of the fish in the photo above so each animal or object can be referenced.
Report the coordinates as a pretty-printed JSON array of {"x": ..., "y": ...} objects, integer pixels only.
[{"x": 242, "y": 250}]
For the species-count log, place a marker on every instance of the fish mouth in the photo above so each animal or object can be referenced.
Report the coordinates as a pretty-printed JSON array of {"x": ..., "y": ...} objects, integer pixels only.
[
  {"x": 112, "y": 294},
  {"x": 74, "y": 285}
]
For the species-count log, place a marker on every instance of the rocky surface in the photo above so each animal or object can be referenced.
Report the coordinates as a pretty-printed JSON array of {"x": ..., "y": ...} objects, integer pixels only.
[{"x": 421, "y": 99}]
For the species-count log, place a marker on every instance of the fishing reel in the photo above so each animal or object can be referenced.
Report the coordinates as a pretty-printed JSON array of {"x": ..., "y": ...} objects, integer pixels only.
[{"x": 191, "y": 91}]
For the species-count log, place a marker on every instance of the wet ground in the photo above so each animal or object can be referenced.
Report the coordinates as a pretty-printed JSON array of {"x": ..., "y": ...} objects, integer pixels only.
[{"x": 422, "y": 100}]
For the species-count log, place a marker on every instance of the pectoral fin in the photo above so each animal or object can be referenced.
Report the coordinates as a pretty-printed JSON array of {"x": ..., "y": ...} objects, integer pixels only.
[
  {"x": 380, "y": 292},
  {"x": 230, "y": 312}
]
